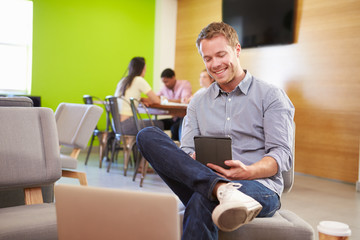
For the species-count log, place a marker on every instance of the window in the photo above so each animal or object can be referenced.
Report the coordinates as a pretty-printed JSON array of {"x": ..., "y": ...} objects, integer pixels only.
[{"x": 16, "y": 20}]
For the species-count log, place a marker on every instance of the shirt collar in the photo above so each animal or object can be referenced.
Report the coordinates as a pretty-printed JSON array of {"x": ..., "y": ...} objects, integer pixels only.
[{"x": 243, "y": 86}]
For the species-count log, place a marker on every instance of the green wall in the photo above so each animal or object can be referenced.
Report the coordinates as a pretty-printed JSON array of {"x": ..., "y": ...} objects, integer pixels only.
[{"x": 84, "y": 46}]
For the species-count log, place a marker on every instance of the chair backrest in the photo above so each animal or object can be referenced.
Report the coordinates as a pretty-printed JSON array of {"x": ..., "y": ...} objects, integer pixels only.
[
  {"x": 288, "y": 176},
  {"x": 29, "y": 147},
  {"x": 88, "y": 99},
  {"x": 114, "y": 113},
  {"x": 139, "y": 121},
  {"x": 76, "y": 123},
  {"x": 136, "y": 114},
  {"x": 16, "y": 102},
  {"x": 113, "y": 106}
]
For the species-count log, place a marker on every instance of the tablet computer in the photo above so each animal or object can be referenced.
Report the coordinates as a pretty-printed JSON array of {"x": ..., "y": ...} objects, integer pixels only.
[{"x": 213, "y": 149}]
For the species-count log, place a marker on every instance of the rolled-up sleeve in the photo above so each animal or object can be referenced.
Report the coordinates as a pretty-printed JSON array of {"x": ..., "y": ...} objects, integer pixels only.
[{"x": 279, "y": 128}]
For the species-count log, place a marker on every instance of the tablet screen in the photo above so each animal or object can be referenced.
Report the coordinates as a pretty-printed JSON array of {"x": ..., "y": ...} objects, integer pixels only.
[{"x": 213, "y": 149}]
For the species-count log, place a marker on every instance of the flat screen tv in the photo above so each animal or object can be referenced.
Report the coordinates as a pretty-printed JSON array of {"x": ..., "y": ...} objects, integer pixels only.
[{"x": 261, "y": 22}]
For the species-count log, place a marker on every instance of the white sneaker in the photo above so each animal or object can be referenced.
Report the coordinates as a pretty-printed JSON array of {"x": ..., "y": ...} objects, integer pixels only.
[{"x": 235, "y": 208}]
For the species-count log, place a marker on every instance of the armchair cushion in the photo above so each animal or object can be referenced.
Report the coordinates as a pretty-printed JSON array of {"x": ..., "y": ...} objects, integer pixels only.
[
  {"x": 68, "y": 162},
  {"x": 283, "y": 225},
  {"x": 31, "y": 222}
]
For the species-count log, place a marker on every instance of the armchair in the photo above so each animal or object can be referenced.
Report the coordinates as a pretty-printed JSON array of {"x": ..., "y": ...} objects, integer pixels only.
[
  {"x": 15, "y": 197},
  {"x": 283, "y": 225},
  {"x": 75, "y": 124},
  {"x": 29, "y": 159}
]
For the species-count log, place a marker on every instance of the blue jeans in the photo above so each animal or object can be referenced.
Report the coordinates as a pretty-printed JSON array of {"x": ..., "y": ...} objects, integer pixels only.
[{"x": 193, "y": 183}]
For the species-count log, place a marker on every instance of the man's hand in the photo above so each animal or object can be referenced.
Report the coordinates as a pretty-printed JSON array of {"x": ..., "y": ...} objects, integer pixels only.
[
  {"x": 237, "y": 171},
  {"x": 264, "y": 168}
]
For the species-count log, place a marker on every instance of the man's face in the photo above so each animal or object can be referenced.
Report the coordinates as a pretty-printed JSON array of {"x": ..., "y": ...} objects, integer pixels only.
[
  {"x": 221, "y": 60},
  {"x": 169, "y": 82}
]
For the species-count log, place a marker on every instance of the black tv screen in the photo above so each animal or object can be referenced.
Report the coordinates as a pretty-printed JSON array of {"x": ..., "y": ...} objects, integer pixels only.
[{"x": 261, "y": 22}]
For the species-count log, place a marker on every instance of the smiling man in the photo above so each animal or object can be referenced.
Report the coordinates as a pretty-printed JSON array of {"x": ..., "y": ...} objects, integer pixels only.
[{"x": 256, "y": 115}]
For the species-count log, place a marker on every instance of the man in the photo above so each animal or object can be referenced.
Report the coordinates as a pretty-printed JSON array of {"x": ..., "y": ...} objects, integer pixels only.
[
  {"x": 257, "y": 116},
  {"x": 174, "y": 90}
]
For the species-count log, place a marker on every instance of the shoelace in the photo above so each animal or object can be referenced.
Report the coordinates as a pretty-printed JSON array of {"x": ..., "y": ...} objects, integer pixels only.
[{"x": 229, "y": 185}]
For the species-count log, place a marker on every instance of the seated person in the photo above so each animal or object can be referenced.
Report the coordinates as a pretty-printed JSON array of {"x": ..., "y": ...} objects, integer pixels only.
[
  {"x": 205, "y": 81},
  {"x": 174, "y": 91},
  {"x": 255, "y": 114},
  {"x": 132, "y": 86}
]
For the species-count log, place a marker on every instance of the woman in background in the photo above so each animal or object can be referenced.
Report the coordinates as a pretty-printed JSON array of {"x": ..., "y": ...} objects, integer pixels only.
[
  {"x": 205, "y": 81},
  {"x": 132, "y": 86}
]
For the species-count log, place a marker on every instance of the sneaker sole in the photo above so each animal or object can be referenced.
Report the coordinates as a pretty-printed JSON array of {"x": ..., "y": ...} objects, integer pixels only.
[{"x": 228, "y": 218}]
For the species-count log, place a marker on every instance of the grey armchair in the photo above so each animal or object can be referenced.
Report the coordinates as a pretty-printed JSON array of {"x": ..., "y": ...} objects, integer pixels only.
[
  {"x": 16, "y": 102},
  {"x": 75, "y": 124},
  {"x": 284, "y": 225},
  {"x": 29, "y": 159},
  {"x": 15, "y": 197}
]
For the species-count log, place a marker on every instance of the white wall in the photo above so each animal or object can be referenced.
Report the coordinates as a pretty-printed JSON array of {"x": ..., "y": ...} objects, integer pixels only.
[{"x": 165, "y": 39}]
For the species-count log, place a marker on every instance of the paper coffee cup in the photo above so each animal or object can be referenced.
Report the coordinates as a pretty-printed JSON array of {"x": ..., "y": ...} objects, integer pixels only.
[{"x": 331, "y": 230}]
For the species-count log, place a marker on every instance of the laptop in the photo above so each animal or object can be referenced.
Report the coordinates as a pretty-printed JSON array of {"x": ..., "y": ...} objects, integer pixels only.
[
  {"x": 104, "y": 213},
  {"x": 213, "y": 149}
]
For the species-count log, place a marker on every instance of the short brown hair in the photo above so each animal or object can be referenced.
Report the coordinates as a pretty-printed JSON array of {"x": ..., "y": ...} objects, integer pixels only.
[{"x": 218, "y": 28}]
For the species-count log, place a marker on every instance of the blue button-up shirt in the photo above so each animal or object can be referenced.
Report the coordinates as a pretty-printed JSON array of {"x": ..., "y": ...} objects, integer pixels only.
[{"x": 256, "y": 115}]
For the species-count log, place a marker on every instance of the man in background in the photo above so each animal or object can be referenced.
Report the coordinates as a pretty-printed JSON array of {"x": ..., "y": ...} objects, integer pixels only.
[{"x": 174, "y": 90}]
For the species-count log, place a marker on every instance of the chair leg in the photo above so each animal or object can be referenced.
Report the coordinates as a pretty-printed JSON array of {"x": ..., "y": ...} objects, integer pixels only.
[
  {"x": 144, "y": 170},
  {"x": 126, "y": 160},
  {"x": 33, "y": 196},
  {"x": 112, "y": 154},
  {"x": 103, "y": 139},
  {"x": 128, "y": 145},
  {"x": 81, "y": 176},
  {"x": 137, "y": 159},
  {"x": 108, "y": 147},
  {"x": 89, "y": 151}
]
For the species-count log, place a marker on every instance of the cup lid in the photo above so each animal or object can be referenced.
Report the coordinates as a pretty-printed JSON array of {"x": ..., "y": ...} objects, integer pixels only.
[{"x": 334, "y": 228}]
